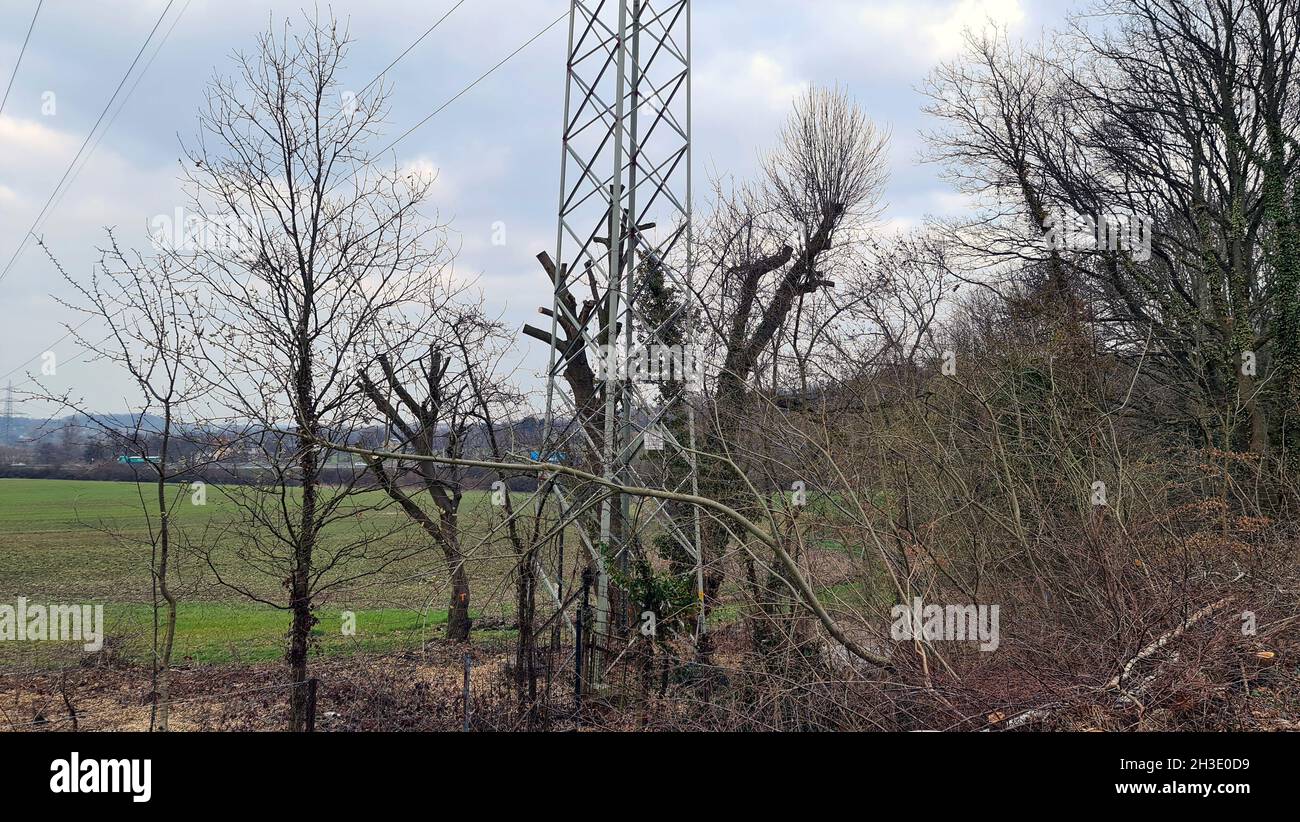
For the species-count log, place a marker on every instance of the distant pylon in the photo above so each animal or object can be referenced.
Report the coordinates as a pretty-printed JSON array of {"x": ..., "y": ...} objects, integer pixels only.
[
  {"x": 621, "y": 277},
  {"x": 8, "y": 435}
]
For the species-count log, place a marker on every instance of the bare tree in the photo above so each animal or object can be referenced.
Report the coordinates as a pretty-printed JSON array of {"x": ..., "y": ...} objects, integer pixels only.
[
  {"x": 452, "y": 398},
  {"x": 151, "y": 318},
  {"x": 1182, "y": 113},
  {"x": 428, "y": 402},
  {"x": 772, "y": 247},
  {"x": 322, "y": 246}
]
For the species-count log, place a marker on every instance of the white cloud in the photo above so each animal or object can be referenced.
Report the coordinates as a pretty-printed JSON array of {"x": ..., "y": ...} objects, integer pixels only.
[
  {"x": 942, "y": 25},
  {"x": 740, "y": 81},
  {"x": 8, "y": 197},
  {"x": 495, "y": 150},
  {"x": 974, "y": 15},
  {"x": 769, "y": 79},
  {"x": 425, "y": 170},
  {"x": 741, "y": 99},
  {"x": 29, "y": 141},
  {"x": 894, "y": 226}
]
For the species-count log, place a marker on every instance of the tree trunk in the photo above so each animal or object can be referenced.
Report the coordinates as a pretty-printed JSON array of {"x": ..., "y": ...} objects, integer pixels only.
[
  {"x": 299, "y": 637},
  {"x": 458, "y": 621},
  {"x": 163, "y": 656},
  {"x": 169, "y": 633},
  {"x": 525, "y": 675},
  {"x": 300, "y": 598}
]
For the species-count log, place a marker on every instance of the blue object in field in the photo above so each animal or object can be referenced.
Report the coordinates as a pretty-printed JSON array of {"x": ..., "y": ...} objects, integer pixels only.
[
  {"x": 126, "y": 460},
  {"x": 556, "y": 458}
]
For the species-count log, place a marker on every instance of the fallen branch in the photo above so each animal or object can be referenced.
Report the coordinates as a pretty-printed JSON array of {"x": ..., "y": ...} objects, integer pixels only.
[
  {"x": 1114, "y": 682},
  {"x": 1164, "y": 639},
  {"x": 800, "y": 583}
]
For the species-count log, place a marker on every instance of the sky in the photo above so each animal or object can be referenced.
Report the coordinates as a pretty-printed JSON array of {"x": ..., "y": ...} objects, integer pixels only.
[{"x": 496, "y": 149}]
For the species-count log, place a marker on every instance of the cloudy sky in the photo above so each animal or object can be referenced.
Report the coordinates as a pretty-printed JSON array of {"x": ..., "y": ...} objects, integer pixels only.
[{"x": 496, "y": 149}]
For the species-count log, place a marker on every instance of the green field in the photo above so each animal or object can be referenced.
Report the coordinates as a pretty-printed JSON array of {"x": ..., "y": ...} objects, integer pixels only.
[{"x": 72, "y": 541}]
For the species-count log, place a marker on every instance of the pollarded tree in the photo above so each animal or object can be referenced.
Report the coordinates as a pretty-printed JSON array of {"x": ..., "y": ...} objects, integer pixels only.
[{"x": 772, "y": 249}]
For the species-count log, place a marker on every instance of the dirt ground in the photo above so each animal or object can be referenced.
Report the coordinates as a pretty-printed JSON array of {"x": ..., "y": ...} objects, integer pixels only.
[
  {"x": 413, "y": 691},
  {"x": 389, "y": 692}
]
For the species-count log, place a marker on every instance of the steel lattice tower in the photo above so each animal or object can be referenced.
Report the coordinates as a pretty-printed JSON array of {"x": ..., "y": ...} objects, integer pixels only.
[{"x": 622, "y": 282}]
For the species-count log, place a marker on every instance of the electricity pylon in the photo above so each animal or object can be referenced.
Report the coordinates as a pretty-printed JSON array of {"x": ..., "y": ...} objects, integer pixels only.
[
  {"x": 622, "y": 356},
  {"x": 7, "y": 434}
]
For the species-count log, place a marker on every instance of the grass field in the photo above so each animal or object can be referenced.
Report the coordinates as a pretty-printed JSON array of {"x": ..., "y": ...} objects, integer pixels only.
[{"x": 71, "y": 541}]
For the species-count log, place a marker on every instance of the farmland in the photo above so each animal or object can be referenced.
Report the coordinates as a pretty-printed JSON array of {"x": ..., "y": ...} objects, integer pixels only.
[{"x": 81, "y": 541}]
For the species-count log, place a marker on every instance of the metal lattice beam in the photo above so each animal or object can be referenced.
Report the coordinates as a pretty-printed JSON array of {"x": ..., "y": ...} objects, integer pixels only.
[{"x": 624, "y": 209}]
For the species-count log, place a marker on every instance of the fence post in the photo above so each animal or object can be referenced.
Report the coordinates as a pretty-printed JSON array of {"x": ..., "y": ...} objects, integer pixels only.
[
  {"x": 581, "y": 641},
  {"x": 465, "y": 697},
  {"x": 311, "y": 705}
]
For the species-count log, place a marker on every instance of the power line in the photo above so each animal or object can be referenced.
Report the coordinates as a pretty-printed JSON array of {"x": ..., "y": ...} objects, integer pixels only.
[
  {"x": 49, "y": 347},
  {"x": 21, "y": 52},
  {"x": 120, "y": 106},
  {"x": 163, "y": 42},
  {"x": 480, "y": 79},
  {"x": 113, "y": 119},
  {"x": 73, "y": 330},
  {"x": 59, "y": 199},
  {"x": 22, "y": 243},
  {"x": 417, "y": 42},
  {"x": 84, "y": 350},
  {"x": 403, "y": 136}
]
